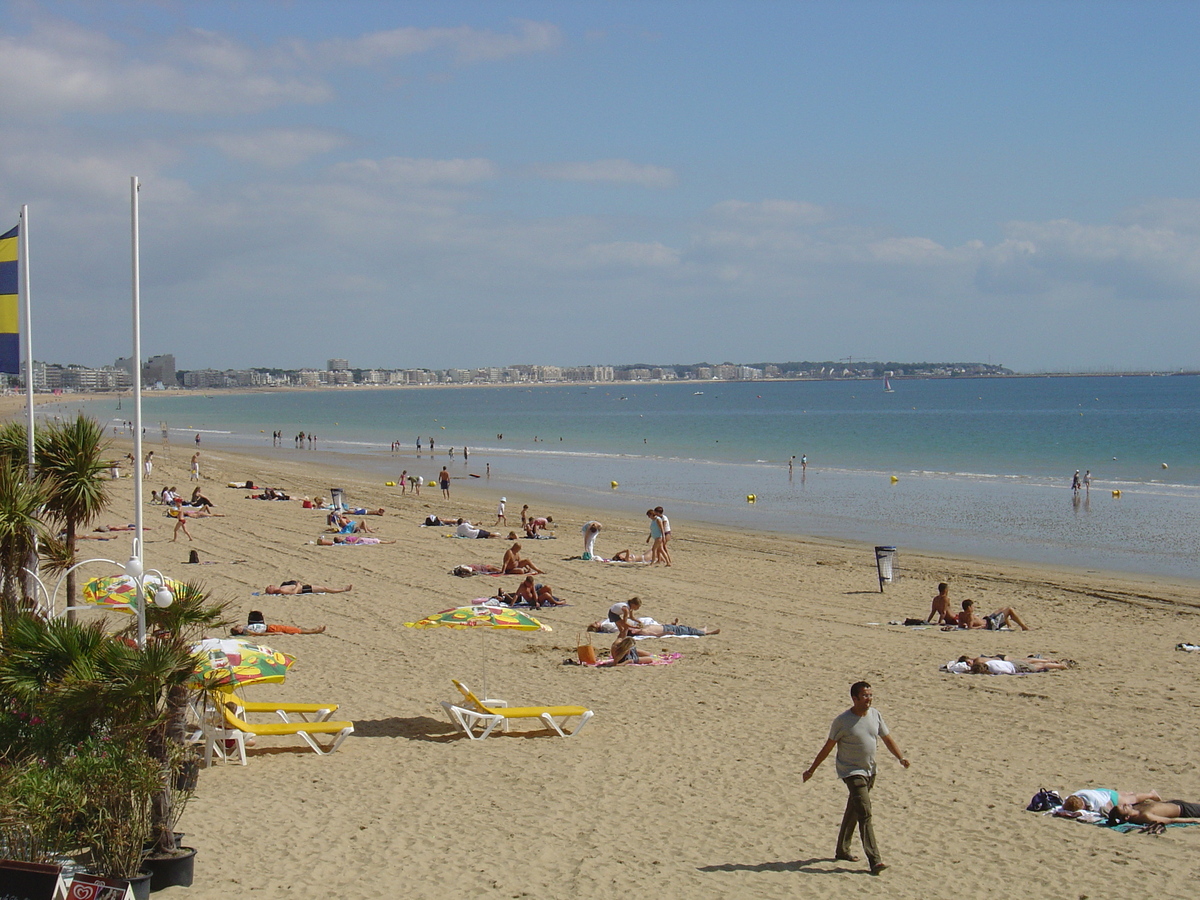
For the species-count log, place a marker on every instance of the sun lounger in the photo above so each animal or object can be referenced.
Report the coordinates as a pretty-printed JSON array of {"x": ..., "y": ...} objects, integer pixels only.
[
  {"x": 489, "y": 713},
  {"x": 319, "y": 712},
  {"x": 304, "y": 730}
]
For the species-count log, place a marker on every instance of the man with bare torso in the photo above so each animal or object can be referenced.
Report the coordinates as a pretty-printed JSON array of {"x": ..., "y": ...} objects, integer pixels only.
[
  {"x": 940, "y": 611},
  {"x": 1155, "y": 812}
]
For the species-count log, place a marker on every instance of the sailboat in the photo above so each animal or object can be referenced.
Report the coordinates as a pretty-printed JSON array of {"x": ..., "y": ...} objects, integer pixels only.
[{"x": 887, "y": 385}]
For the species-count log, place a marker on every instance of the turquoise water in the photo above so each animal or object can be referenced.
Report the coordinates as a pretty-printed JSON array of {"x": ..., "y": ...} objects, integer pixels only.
[{"x": 983, "y": 466}]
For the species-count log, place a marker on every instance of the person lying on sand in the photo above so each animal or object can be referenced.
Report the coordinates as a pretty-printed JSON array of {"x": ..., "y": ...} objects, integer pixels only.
[
  {"x": 627, "y": 556},
  {"x": 996, "y": 665},
  {"x": 328, "y": 540},
  {"x": 514, "y": 564},
  {"x": 1103, "y": 800},
  {"x": 1155, "y": 812},
  {"x": 463, "y": 528},
  {"x": 650, "y": 628},
  {"x": 537, "y": 595},
  {"x": 275, "y": 629},
  {"x": 295, "y": 587},
  {"x": 993, "y": 622}
]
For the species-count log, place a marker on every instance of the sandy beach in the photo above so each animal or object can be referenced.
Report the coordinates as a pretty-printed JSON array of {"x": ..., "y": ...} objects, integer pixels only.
[{"x": 688, "y": 778}]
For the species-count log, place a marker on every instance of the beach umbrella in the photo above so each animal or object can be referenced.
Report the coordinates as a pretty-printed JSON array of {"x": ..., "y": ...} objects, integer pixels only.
[
  {"x": 481, "y": 616},
  {"x": 230, "y": 662},
  {"x": 120, "y": 591}
]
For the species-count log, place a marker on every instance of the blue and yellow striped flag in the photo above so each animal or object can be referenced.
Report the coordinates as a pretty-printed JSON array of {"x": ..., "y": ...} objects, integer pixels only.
[{"x": 10, "y": 319}]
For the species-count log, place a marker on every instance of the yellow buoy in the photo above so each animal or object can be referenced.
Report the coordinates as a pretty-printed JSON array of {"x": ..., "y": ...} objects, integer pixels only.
[
  {"x": 613, "y": 485},
  {"x": 1116, "y": 493},
  {"x": 389, "y": 484},
  {"x": 751, "y": 498},
  {"x": 894, "y": 479}
]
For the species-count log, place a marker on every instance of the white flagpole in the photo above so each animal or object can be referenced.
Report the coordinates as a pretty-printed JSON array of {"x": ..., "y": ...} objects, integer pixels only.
[
  {"x": 135, "y": 567},
  {"x": 23, "y": 255}
]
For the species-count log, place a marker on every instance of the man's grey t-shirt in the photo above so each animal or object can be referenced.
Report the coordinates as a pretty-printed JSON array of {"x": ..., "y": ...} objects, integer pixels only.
[{"x": 856, "y": 738}]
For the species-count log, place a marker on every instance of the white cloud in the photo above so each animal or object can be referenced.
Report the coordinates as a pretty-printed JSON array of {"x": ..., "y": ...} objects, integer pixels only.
[
  {"x": 611, "y": 171},
  {"x": 403, "y": 170},
  {"x": 771, "y": 213},
  {"x": 61, "y": 68},
  {"x": 466, "y": 44},
  {"x": 276, "y": 147},
  {"x": 631, "y": 254}
]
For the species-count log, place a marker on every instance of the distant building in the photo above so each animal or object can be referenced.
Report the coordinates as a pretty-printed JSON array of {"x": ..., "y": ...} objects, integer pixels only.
[
  {"x": 337, "y": 365},
  {"x": 160, "y": 369}
]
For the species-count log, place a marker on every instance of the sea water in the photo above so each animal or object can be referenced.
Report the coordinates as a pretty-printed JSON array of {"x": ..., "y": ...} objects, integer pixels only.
[{"x": 973, "y": 466}]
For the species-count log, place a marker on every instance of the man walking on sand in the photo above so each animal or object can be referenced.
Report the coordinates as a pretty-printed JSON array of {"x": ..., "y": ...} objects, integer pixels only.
[{"x": 855, "y": 733}]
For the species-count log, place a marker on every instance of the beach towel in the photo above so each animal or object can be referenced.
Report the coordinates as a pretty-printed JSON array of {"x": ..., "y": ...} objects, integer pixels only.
[{"x": 662, "y": 659}]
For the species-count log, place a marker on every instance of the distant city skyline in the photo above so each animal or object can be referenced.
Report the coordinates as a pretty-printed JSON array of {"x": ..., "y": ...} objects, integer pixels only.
[{"x": 464, "y": 184}]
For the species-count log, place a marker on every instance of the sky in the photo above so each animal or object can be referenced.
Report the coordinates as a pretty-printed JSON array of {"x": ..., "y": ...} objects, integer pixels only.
[{"x": 460, "y": 184}]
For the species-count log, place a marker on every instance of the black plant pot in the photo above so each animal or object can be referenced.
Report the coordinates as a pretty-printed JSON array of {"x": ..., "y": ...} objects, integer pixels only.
[
  {"x": 171, "y": 871},
  {"x": 140, "y": 885}
]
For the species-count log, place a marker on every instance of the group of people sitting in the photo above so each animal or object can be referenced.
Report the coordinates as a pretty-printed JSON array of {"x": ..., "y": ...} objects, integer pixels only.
[
  {"x": 530, "y": 593},
  {"x": 940, "y": 614}
]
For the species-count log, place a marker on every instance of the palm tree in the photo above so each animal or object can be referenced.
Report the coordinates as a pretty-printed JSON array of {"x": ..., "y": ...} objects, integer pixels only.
[
  {"x": 71, "y": 457},
  {"x": 21, "y": 503}
]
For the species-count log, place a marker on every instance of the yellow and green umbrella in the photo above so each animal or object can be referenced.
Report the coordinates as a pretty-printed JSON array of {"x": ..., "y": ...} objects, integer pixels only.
[
  {"x": 120, "y": 591},
  {"x": 482, "y": 616},
  {"x": 230, "y": 662}
]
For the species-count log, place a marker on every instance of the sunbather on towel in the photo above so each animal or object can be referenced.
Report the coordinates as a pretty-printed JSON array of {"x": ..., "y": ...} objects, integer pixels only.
[
  {"x": 537, "y": 595},
  {"x": 628, "y": 556},
  {"x": 625, "y": 653},
  {"x": 1103, "y": 800},
  {"x": 275, "y": 629},
  {"x": 295, "y": 587},
  {"x": 467, "y": 530},
  {"x": 1155, "y": 812},
  {"x": 328, "y": 540},
  {"x": 514, "y": 564},
  {"x": 994, "y": 665},
  {"x": 649, "y": 628},
  {"x": 993, "y": 622}
]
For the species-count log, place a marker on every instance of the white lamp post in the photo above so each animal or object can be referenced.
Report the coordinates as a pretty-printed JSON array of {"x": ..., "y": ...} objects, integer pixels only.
[{"x": 134, "y": 567}]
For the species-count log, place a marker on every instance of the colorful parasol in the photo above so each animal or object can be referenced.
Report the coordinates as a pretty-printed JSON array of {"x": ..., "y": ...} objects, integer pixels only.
[
  {"x": 481, "y": 616},
  {"x": 224, "y": 662},
  {"x": 120, "y": 591}
]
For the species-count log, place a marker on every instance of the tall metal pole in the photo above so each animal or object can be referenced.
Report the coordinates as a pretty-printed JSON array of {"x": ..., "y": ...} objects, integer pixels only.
[
  {"x": 135, "y": 559},
  {"x": 23, "y": 254}
]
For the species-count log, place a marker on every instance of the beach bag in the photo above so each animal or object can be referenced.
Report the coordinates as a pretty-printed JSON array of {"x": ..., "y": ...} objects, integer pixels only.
[
  {"x": 194, "y": 557},
  {"x": 587, "y": 653},
  {"x": 1044, "y": 801}
]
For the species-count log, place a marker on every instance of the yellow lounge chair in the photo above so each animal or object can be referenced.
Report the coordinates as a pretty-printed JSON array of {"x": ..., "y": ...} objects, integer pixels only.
[
  {"x": 487, "y": 714},
  {"x": 304, "y": 730},
  {"x": 320, "y": 711}
]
